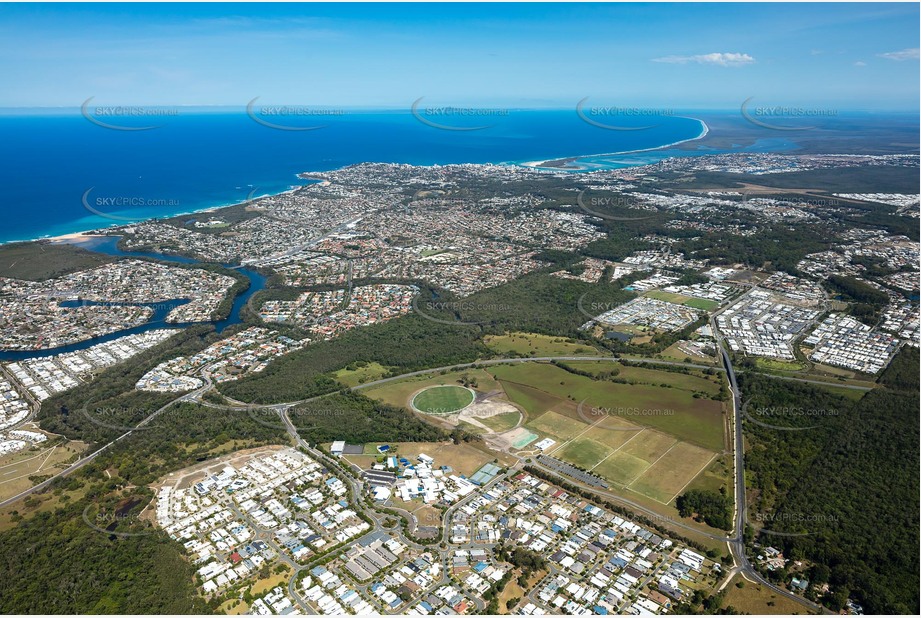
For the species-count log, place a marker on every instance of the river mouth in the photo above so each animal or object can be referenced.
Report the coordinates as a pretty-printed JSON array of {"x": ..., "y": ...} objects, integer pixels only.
[{"x": 108, "y": 245}]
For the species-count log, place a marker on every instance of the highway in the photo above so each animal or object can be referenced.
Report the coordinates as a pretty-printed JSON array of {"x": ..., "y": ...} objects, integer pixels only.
[
  {"x": 742, "y": 565},
  {"x": 735, "y": 543},
  {"x": 88, "y": 458}
]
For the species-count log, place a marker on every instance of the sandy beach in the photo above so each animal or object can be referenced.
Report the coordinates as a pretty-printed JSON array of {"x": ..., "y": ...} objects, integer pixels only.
[
  {"x": 73, "y": 238},
  {"x": 543, "y": 164},
  {"x": 77, "y": 237}
]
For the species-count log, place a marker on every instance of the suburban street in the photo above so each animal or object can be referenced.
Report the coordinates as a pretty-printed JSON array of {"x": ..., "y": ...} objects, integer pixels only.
[{"x": 736, "y": 543}]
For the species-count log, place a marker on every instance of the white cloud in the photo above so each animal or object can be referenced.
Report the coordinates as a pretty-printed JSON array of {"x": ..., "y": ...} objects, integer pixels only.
[
  {"x": 910, "y": 53},
  {"x": 719, "y": 58},
  {"x": 860, "y": 63}
]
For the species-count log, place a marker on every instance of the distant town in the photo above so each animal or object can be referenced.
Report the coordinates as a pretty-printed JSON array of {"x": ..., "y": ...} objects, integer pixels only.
[{"x": 568, "y": 478}]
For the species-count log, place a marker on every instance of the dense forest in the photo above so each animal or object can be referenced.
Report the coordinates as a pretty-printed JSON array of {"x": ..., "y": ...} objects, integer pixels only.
[
  {"x": 775, "y": 247},
  {"x": 712, "y": 507},
  {"x": 53, "y": 563},
  {"x": 38, "y": 261},
  {"x": 357, "y": 419},
  {"x": 75, "y": 568},
  {"x": 108, "y": 406},
  {"x": 848, "y": 486},
  {"x": 449, "y": 332}
]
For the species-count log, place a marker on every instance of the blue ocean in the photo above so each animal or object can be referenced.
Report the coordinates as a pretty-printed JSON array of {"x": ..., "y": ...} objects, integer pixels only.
[{"x": 55, "y": 162}]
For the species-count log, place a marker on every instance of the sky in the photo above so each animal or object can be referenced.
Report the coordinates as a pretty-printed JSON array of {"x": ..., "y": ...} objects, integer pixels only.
[{"x": 680, "y": 56}]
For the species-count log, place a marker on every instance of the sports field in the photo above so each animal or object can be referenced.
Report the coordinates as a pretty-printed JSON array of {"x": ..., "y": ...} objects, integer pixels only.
[
  {"x": 669, "y": 297},
  {"x": 583, "y": 452},
  {"x": 399, "y": 392},
  {"x": 672, "y": 409},
  {"x": 650, "y": 439},
  {"x": 16, "y": 468},
  {"x": 672, "y": 471},
  {"x": 680, "y": 299},
  {"x": 443, "y": 399},
  {"x": 558, "y": 426}
]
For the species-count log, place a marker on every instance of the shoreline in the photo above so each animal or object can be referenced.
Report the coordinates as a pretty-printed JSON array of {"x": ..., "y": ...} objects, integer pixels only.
[
  {"x": 71, "y": 238},
  {"x": 541, "y": 164},
  {"x": 84, "y": 235}
]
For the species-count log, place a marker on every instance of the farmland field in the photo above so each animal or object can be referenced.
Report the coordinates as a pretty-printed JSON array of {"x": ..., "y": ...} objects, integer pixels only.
[{"x": 532, "y": 344}]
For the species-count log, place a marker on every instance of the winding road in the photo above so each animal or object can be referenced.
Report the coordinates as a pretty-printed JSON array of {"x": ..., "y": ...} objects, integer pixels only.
[{"x": 736, "y": 544}]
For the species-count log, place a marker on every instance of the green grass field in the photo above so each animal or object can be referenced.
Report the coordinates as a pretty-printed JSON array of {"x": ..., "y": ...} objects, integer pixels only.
[
  {"x": 557, "y": 426},
  {"x": 669, "y": 297},
  {"x": 716, "y": 475},
  {"x": 399, "y": 393},
  {"x": 443, "y": 399},
  {"x": 638, "y": 424},
  {"x": 621, "y": 468},
  {"x": 649, "y": 446},
  {"x": 583, "y": 452},
  {"x": 773, "y": 364},
  {"x": 850, "y": 393},
  {"x": 672, "y": 471},
  {"x": 671, "y": 410},
  {"x": 531, "y": 344},
  {"x": 534, "y": 401},
  {"x": 757, "y": 599},
  {"x": 360, "y": 375},
  {"x": 610, "y": 435},
  {"x": 471, "y": 428},
  {"x": 702, "y": 303},
  {"x": 501, "y": 422},
  {"x": 696, "y": 381}
]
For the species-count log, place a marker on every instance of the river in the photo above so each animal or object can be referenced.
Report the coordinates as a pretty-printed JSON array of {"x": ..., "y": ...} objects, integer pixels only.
[{"x": 109, "y": 246}]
